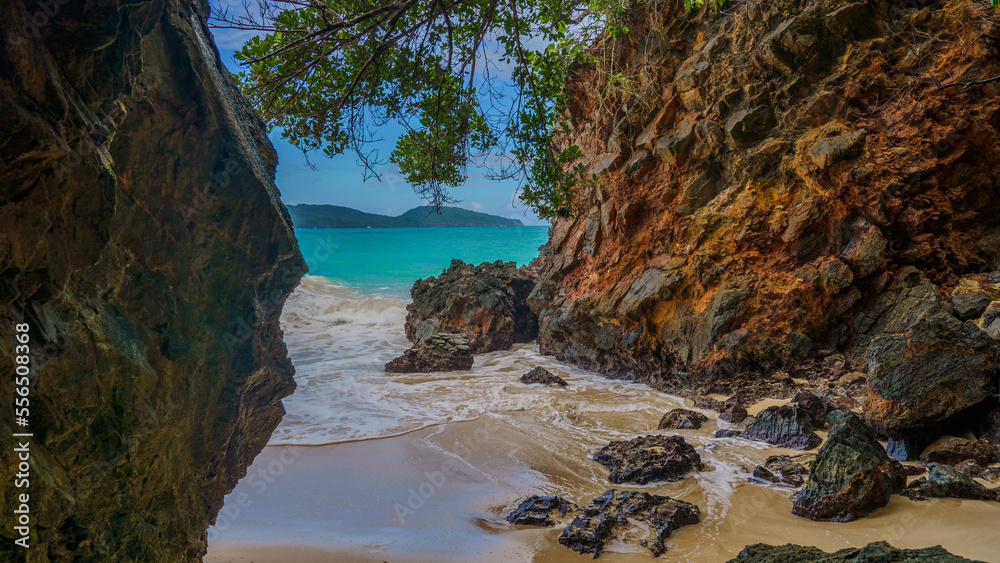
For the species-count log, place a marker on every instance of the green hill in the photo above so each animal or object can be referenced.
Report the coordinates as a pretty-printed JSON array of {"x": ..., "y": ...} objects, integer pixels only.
[{"x": 337, "y": 217}]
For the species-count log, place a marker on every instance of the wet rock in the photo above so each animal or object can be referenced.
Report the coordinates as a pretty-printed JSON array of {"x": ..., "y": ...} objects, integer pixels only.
[
  {"x": 734, "y": 414},
  {"x": 485, "y": 303},
  {"x": 970, "y": 305},
  {"x": 536, "y": 510},
  {"x": 682, "y": 419},
  {"x": 589, "y": 532},
  {"x": 781, "y": 469},
  {"x": 920, "y": 377},
  {"x": 950, "y": 450},
  {"x": 851, "y": 477},
  {"x": 946, "y": 481},
  {"x": 877, "y": 551},
  {"x": 439, "y": 352},
  {"x": 648, "y": 458},
  {"x": 992, "y": 475},
  {"x": 727, "y": 433},
  {"x": 970, "y": 468},
  {"x": 812, "y": 404},
  {"x": 787, "y": 426},
  {"x": 542, "y": 376}
]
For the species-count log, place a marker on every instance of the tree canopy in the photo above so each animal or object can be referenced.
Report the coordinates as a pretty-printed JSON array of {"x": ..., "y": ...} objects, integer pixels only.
[{"x": 471, "y": 82}]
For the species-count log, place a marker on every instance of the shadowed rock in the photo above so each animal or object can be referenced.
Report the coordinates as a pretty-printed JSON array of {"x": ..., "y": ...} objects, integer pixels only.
[
  {"x": 648, "y": 458},
  {"x": 877, "y": 551},
  {"x": 542, "y": 376},
  {"x": 440, "y": 352},
  {"x": 485, "y": 303},
  {"x": 946, "y": 481},
  {"x": 950, "y": 450},
  {"x": 781, "y": 469},
  {"x": 851, "y": 477},
  {"x": 608, "y": 513},
  {"x": 903, "y": 450},
  {"x": 788, "y": 426},
  {"x": 536, "y": 510},
  {"x": 734, "y": 413},
  {"x": 682, "y": 419},
  {"x": 812, "y": 404}
]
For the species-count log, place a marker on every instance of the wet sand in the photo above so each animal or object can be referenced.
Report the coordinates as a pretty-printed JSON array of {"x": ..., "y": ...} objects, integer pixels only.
[{"x": 440, "y": 494}]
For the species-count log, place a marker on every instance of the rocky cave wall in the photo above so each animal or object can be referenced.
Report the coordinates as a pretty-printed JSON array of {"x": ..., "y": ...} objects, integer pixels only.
[
  {"x": 770, "y": 180},
  {"x": 143, "y": 242}
]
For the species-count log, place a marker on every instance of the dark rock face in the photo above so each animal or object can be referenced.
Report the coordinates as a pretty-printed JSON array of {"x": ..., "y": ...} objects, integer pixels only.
[
  {"x": 815, "y": 406},
  {"x": 485, "y": 303},
  {"x": 537, "y": 511},
  {"x": 438, "y": 352},
  {"x": 947, "y": 481},
  {"x": 877, "y": 551},
  {"x": 542, "y": 376},
  {"x": 970, "y": 305},
  {"x": 143, "y": 242},
  {"x": 648, "y": 458},
  {"x": 903, "y": 450},
  {"x": 734, "y": 413},
  {"x": 926, "y": 373},
  {"x": 682, "y": 419},
  {"x": 781, "y": 469},
  {"x": 589, "y": 532},
  {"x": 787, "y": 426},
  {"x": 851, "y": 477},
  {"x": 950, "y": 450}
]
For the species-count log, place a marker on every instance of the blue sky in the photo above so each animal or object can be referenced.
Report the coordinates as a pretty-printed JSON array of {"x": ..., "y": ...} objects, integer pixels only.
[{"x": 340, "y": 180}]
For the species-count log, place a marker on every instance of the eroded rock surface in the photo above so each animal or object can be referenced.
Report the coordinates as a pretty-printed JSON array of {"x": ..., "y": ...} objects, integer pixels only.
[
  {"x": 683, "y": 419},
  {"x": 648, "y": 458},
  {"x": 947, "y": 481},
  {"x": 143, "y": 241},
  {"x": 786, "y": 426},
  {"x": 877, "y": 551},
  {"x": 537, "y": 511},
  {"x": 542, "y": 376},
  {"x": 438, "y": 352}
]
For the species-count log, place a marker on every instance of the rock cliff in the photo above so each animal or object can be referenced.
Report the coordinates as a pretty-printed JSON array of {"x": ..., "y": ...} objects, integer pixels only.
[
  {"x": 143, "y": 243},
  {"x": 772, "y": 183}
]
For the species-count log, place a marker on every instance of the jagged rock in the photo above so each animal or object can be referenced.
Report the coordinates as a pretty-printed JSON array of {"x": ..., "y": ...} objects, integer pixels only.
[
  {"x": 537, "y": 511},
  {"x": 440, "y": 352},
  {"x": 920, "y": 377},
  {"x": 815, "y": 406},
  {"x": 970, "y": 468},
  {"x": 143, "y": 241},
  {"x": 727, "y": 433},
  {"x": 589, "y": 532},
  {"x": 485, "y": 303},
  {"x": 851, "y": 477},
  {"x": 950, "y": 450},
  {"x": 542, "y": 376},
  {"x": 787, "y": 426},
  {"x": 781, "y": 469},
  {"x": 835, "y": 276},
  {"x": 946, "y": 481},
  {"x": 992, "y": 475},
  {"x": 903, "y": 450},
  {"x": 682, "y": 419},
  {"x": 970, "y": 305},
  {"x": 829, "y": 150},
  {"x": 648, "y": 458},
  {"x": 877, "y": 551}
]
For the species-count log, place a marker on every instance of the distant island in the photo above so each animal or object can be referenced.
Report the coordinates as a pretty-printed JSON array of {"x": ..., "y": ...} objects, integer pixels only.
[{"x": 336, "y": 217}]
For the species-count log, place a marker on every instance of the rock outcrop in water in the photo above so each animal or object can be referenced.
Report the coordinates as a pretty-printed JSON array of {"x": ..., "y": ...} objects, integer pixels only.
[
  {"x": 773, "y": 185},
  {"x": 877, "y": 551},
  {"x": 143, "y": 242},
  {"x": 439, "y": 352},
  {"x": 785, "y": 426},
  {"x": 542, "y": 376},
  {"x": 649, "y": 458},
  {"x": 537, "y": 511}
]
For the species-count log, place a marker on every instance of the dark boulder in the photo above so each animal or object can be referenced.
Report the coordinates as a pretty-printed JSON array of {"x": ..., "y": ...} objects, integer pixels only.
[
  {"x": 781, "y": 470},
  {"x": 950, "y": 450},
  {"x": 815, "y": 406},
  {"x": 877, "y": 551},
  {"x": 682, "y": 419},
  {"x": 485, "y": 303},
  {"x": 542, "y": 376},
  {"x": 903, "y": 450},
  {"x": 536, "y": 510},
  {"x": 589, "y": 532},
  {"x": 919, "y": 378},
  {"x": 851, "y": 477},
  {"x": 440, "y": 352},
  {"x": 787, "y": 426},
  {"x": 946, "y": 481},
  {"x": 727, "y": 433},
  {"x": 970, "y": 305},
  {"x": 648, "y": 458},
  {"x": 734, "y": 414}
]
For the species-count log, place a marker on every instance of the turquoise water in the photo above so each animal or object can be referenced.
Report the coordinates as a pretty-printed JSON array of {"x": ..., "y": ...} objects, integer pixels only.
[{"x": 386, "y": 262}]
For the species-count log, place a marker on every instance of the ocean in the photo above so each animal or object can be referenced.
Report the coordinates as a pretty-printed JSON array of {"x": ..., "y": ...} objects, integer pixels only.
[{"x": 370, "y": 466}]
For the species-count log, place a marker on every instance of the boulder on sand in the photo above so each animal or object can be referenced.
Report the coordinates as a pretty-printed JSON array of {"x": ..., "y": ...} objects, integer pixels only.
[
  {"x": 877, "y": 551},
  {"x": 682, "y": 419},
  {"x": 787, "y": 426},
  {"x": 648, "y": 458},
  {"x": 946, "y": 481},
  {"x": 536, "y": 510},
  {"x": 542, "y": 376}
]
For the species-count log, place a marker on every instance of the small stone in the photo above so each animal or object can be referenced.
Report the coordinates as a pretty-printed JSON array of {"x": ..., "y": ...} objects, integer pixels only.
[
  {"x": 781, "y": 469},
  {"x": 970, "y": 305},
  {"x": 536, "y": 510},
  {"x": 542, "y": 376},
  {"x": 970, "y": 468},
  {"x": 648, "y": 458},
  {"x": 835, "y": 276},
  {"x": 682, "y": 419}
]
